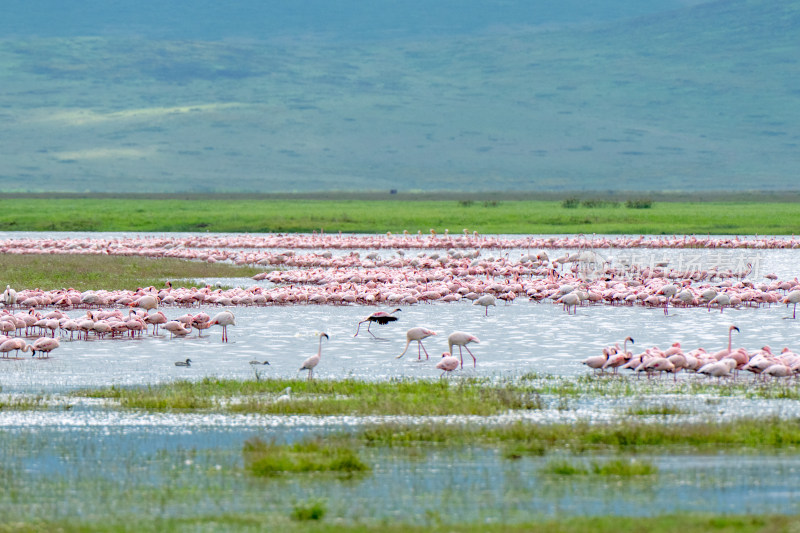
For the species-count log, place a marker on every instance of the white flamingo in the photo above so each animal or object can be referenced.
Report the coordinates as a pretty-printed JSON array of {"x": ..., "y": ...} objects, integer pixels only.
[
  {"x": 417, "y": 334},
  {"x": 461, "y": 339},
  {"x": 313, "y": 361}
]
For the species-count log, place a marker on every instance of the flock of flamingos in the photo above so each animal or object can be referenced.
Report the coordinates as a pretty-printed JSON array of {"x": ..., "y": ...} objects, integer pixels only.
[{"x": 409, "y": 269}]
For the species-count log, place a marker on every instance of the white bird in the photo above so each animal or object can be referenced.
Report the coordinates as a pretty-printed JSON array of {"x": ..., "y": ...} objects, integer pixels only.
[
  {"x": 417, "y": 334},
  {"x": 792, "y": 298},
  {"x": 285, "y": 395},
  {"x": 461, "y": 339},
  {"x": 486, "y": 300},
  {"x": 9, "y": 296},
  {"x": 224, "y": 319},
  {"x": 313, "y": 361}
]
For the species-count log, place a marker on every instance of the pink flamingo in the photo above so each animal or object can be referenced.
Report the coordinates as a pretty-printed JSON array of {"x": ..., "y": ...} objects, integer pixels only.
[
  {"x": 224, "y": 319},
  {"x": 417, "y": 334},
  {"x": 792, "y": 298},
  {"x": 44, "y": 345},
  {"x": 313, "y": 361},
  {"x": 379, "y": 317},
  {"x": 447, "y": 364},
  {"x": 461, "y": 339},
  {"x": 726, "y": 352}
]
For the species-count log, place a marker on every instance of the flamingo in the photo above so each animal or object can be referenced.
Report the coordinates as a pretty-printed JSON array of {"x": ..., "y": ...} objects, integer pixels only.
[
  {"x": 44, "y": 345},
  {"x": 668, "y": 291},
  {"x": 486, "y": 300},
  {"x": 792, "y": 298},
  {"x": 146, "y": 302},
  {"x": 461, "y": 339},
  {"x": 313, "y": 361},
  {"x": 417, "y": 334},
  {"x": 224, "y": 319},
  {"x": 726, "y": 352},
  {"x": 188, "y": 362},
  {"x": 9, "y": 296},
  {"x": 379, "y": 317},
  {"x": 448, "y": 363}
]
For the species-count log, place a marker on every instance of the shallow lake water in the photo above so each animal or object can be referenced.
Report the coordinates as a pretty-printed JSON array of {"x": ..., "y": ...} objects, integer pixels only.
[{"x": 107, "y": 451}]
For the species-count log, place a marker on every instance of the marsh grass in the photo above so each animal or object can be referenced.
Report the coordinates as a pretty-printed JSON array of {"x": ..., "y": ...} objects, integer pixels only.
[
  {"x": 402, "y": 397},
  {"x": 657, "y": 410},
  {"x": 249, "y": 522},
  {"x": 96, "y": 272},
  {"x": 23, "y": 403},
  {"x": 267, "y": 459},
  {"x": 378, "y": 216},
  {"x": 314, "y": 510},
  {"x": 614, "y": 467},
  {"x": 536, "y": 439}
]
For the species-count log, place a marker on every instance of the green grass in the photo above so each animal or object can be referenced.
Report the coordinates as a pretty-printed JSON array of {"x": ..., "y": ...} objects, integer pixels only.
[
  {"x": 378, "y": 216},
  {"x": 520, "y": 438},
  {"x": 612, "y": 468},
  {"x": 667, "y": 523},
  {"x": 657, "y": 410},
  {"x": 395, "y": 397},
  {"x": 103, "y": 272},
  {"x": 267, "y": 459}
]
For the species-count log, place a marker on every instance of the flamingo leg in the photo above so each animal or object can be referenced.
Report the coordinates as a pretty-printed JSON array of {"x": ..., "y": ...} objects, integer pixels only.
[
  {"x": 358, "y": 328},
  {"x": 474, "y": 361},
  {"x": 426, "y": 351}
]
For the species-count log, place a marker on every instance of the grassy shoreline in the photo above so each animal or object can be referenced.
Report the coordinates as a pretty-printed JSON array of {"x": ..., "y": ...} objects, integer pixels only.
[
  {"x": 234, "y": 214},
  {"x": 660, "y": 523}
]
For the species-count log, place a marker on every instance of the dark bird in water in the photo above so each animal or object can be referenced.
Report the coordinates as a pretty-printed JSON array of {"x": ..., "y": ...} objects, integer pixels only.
[
  {"x": 188, "y": 362},
  {"x": 257, "y": 362},
  {"x": 378, "y": 317}
]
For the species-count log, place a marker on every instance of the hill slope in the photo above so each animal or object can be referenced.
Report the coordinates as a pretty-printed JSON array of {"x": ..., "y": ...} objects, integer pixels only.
[{"x": 702, "y": 98}]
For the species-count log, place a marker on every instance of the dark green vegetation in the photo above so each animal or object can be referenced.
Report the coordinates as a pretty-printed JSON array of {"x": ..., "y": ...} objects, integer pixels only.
[
  {"x": 396, "y": 397},
  {"x": 269, "y": 459},
  {"x": 379, "y": 216},
  {"x": 698, "y": 98},
  {"x": 615, "y": 467},
  {"x": 520, "y": 439},
  {"x": 103, "y": 272},
  {"x": 682, "y": 523}
]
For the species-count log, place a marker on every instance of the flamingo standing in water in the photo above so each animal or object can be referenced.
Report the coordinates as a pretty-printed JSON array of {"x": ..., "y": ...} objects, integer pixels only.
[
  {"x": 447, "y": 364},
  {"x": 792, "y": 298},
  {"x": 379, "y": 317},
  {"x": 486, "y": 300},
  {"x": 727, "y": 351},
  {"x": 461, "y": 339},
  {"x": 224, "y": 319},
  {"x": 44, "y": 345},
  {"x": 417, "y": 334},
  {"x": 313, "y": 361}
]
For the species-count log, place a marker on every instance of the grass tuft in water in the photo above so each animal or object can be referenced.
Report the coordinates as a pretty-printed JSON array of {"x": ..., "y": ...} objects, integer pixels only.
[
  {"x": 657, "y": 410},
  {"x": 624, "y": 468},
  {"x": 314, "y": 510},
  {"x": 267, "y": 459}
]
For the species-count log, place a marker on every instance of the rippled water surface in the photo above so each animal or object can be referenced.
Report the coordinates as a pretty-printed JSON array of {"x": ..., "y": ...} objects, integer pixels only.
[{"x": 58, "y": 447}]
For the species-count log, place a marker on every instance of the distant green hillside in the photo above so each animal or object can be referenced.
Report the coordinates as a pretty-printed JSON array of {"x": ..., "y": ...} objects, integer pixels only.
[{"x": 704, "y": 98}]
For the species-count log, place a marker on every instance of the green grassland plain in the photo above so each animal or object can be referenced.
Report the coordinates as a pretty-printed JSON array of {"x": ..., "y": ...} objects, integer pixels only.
[{"x": 486, "y": 214}]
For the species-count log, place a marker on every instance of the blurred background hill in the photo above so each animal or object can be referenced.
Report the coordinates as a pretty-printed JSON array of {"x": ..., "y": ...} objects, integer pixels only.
[{"x": 313, "y": 95}]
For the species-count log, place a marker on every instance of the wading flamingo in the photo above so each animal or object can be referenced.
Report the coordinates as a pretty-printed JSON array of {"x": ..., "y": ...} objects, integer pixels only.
[
  {"x": 313, "y": 361},
  {"x": 792, "y": 298},
  {"x": 224, "y": 319},
  {"x": 486, "y": 300},
  {"x": 417, "y": 334},
  {"x": 44, "y": 345},
  {"x": 461, "y": 339},
  {"x": 379, "y": 317},
  {"x": 447, "y": 364}
]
